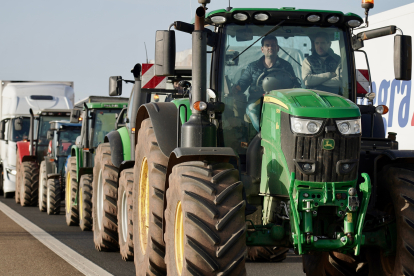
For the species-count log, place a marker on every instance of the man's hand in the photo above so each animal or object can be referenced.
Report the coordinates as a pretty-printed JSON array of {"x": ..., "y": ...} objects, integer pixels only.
[
  {"x": 236, "y": 89},
  {"x": 338, "y": 70},
  {"x": 332, "y": 75},
  {"x": 256, "y": 89}
]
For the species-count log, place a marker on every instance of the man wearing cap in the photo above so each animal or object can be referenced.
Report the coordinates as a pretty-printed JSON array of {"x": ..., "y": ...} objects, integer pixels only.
[
  {"x": 322, "y": 70},
  {"x": 269, "y": 60}
]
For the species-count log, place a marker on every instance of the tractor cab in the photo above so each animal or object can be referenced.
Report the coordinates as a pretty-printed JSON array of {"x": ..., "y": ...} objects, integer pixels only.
[
  {"x": 98, "y": 116},
  {"x": 61, "y": 136}
]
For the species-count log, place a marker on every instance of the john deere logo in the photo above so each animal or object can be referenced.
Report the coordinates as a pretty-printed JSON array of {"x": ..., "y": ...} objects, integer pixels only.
[{"x": 328, "y": 144}]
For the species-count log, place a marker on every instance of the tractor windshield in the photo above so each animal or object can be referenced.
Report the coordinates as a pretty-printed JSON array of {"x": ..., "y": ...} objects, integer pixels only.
[
  {"x": 308, "y": 57},
  {"x": 103, "y": 123},
  {"x": 66, "y": 138},
  {"x": 44, "y": 126}
]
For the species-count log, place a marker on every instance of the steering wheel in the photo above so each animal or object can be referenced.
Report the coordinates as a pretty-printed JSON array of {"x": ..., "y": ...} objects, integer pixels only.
[{"x": 276, "y": 78}]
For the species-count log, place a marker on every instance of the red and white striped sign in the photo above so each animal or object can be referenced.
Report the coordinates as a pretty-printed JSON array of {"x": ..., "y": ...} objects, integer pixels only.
[
  {"x": 362, "y": 77},
  {"x": 150, "y": 80}
]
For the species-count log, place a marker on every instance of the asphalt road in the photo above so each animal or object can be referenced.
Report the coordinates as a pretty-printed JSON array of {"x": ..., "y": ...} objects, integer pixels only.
[{"x": 82, "y": 243}]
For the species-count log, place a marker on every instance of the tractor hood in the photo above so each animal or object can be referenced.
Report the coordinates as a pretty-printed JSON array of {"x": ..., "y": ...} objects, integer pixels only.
[{"x": 313, "y": 103}]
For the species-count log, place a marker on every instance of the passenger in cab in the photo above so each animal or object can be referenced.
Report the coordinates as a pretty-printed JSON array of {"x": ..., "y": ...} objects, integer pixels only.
[{"x": 322, "y": 70}]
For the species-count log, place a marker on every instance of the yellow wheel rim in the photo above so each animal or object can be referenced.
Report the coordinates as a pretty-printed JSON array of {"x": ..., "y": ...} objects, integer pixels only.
[
  {"x": 68, "y": 193},
  {"x": 179, "y": 238},
  {"x": 80, "y": 204},
  {"x": 143, "y": 199}
]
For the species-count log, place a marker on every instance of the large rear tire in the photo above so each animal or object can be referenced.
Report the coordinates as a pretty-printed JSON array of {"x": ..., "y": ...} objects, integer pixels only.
[
  {"x": 71, "y": 210},
  {"x": 148, "y": 207},
  {"x": 29, "y": 184},
  {"x": 85, "y": 202},
  {"x": 125, "y": 202},
  {"x": 398, "y": 181},
  {"x": 53, "y": 196},
  {"x": 104, "y": 200},
  {"x": 42, "y": 186},
  {"x": 205, "y": 222}
]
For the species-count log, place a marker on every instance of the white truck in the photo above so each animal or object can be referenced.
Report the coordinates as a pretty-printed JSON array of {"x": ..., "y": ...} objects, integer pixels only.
[
  {"x": 16, "y": 99},
  {"x": 395, "y": 94}
]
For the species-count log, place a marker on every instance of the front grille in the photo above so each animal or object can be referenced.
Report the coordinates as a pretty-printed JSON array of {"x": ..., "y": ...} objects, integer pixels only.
[{"x": 310, "y": 148}]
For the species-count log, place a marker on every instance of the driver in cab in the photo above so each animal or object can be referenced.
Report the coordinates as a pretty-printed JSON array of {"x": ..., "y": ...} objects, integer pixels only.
[
  {"x": 322, "y": 69},
  {"x": 270, "y": 60}
]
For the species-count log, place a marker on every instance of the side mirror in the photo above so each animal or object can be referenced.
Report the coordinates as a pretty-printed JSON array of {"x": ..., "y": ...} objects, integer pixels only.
[
  {"x": 2, "y": 127},
  {"x": 402, "y": 57},
  {"x": 230, "y": 61},
  {"x": 49, "y": 135},
  {"x": 74, "y": 116},
  {"x": 18, "y": 122},
  {"x": 164, "y": 53},
  {"x": 115, "y": 86}
]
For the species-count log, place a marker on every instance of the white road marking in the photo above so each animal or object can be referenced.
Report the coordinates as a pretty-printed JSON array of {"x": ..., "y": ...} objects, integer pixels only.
[{"x": 79, "y": 262}]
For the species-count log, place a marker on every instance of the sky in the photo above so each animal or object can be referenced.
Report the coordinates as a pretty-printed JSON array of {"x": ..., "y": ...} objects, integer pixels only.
[{"x": 87, "y": 41}]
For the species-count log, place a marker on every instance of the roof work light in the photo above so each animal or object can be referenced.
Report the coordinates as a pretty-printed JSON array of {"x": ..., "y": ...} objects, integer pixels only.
[{"x": 367, "y": 4}]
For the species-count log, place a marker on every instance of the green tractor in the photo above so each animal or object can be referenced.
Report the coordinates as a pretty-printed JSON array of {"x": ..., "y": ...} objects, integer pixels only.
[
  {"x": 115, "y": 160},
  {"x": 61, "y": 136},
  {"x": 275, "y": 153},
  {"x": 98, "y": 116}
]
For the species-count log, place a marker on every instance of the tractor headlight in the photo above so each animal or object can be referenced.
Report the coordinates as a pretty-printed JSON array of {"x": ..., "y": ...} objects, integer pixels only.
[
  {"x": 305, "y": 126},
  {"x": 349, "y": 126}
]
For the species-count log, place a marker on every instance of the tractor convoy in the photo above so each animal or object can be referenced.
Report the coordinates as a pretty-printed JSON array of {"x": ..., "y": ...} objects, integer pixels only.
[{"x": 265, "y": 146}]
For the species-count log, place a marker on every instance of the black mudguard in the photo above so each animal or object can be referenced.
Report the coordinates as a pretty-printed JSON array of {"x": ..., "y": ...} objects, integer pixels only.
[
  {"x": 164, "y": 121},
  {"x": 115, "y": 143},
  {"x": 84, "y": 170},
  {"x": 29, "y": 158},
  {"x": 125, "y": 165},
  {"x": 53, "y": 175},
  {"x": 398, "y": 154}
]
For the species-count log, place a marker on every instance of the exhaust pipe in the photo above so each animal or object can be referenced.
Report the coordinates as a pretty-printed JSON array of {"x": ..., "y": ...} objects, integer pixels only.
[
  {"x": 199, "y": 64},
  {"x": 199, "y": 19},
  {"x": 198, "y": 131},
  {"x": 31, "y": 131}
]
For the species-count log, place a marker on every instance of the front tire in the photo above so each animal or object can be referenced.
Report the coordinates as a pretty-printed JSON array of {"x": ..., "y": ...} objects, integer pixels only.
[
  {"x": 85, "y": 202},
  {"x": 42, "y": 186},
  {"x": 71, "y": 210},
  {"x": 53, "y": 196},
  {"x": 29, "y": 183},
  {"x": 150, "y": 170},
  {"x": 125, "y": 202},
  {"x": 104, "y": 200},
  {"x": 205, "y": 222}
]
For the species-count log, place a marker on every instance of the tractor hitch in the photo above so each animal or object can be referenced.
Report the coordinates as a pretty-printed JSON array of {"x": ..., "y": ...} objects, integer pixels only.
[{"x": 308, "y": 204}]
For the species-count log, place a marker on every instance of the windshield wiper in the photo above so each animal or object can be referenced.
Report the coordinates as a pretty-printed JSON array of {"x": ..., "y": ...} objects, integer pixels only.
[{"x": 271, "y": 31}]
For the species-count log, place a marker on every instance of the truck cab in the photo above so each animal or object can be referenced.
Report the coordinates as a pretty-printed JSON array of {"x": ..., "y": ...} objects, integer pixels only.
[{"x": 17, "y": 98}]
